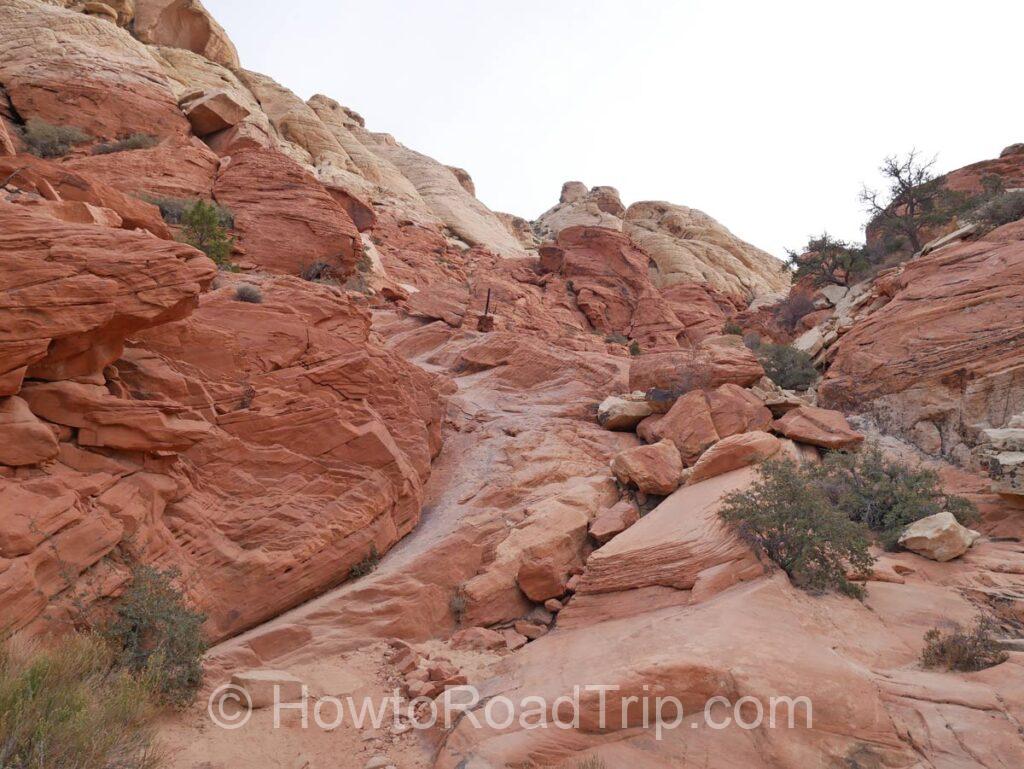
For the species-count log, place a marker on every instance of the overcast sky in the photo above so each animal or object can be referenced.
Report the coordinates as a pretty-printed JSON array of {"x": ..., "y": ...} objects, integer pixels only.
[{"x": 767, "y": 115}]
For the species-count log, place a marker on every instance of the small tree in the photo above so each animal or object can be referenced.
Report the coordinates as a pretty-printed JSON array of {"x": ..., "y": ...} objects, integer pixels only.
[
  {"x": 829, "y": 261},
  {"x": 202, "y": 226},
  {"x": 154, "y": 631},
  {"x": 915, "y": 201},
  {"x": 787, "y": 366},
  {"x": 786, "y": 516},
  {"x": 791, "y": 310}
]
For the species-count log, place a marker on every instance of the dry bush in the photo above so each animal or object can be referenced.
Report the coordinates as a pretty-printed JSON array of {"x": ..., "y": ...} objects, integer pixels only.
[
  {"x": 138, "y": 141},
  {"x": 51, "y": 141},
  {"x": 962, "y": 650},
  {"x": 247, "y": 292},
  {"x": 793, "y": 308}
]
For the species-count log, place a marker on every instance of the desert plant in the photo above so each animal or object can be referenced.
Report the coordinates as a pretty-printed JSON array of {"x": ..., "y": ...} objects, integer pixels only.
[
  {"x": 785, "y": 516},
  {"x": 203, "y": 228},
  {"x": 829, "y": 261},
  {"x": 367, "y": 564},
  {"x": 1001, "y": 209},
  {"x": 752, "y": 341},
  {"x": 732, "y": 328},
  {"x": 154, "y": 630},
  {"x": 616, "y": 338},
  {"x": 884, "y": 494},
  {"x": 247, "y": 292},
  {"x": 458, "y": 602},
  {"x": 962, "y": 650},
  {"x": 172, "y": 209},
  {"x": 137, "y": 141},
  {"x": 591, "y": 762},
  {"x": 317, "y": 271},
  {"x": 791, "y": 310},
  {"x": 69, "y": 705},
  {"x": 788, "y": 367},
  {"x": 634, "y": 348},
  {"x": 51, "y": 141}
]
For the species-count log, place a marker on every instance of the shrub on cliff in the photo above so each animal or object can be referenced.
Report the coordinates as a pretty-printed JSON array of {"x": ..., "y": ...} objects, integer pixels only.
[
  {"x": 962, "y": 650},
  {"x": 793, "y": 308},
  {"x": 786, "y": 516},
  {"x": 153, "y": 631},
  {"x": 788, "y": 367},
  {"x": 1001, "y": 209},
  {"x": 172, "y": 209},
  {"x": 70, "y": 705},
  {"x": 829, "y": 261},
  {"x": 247, "y": 292},
  {"x": 884, "y": 494},
  {"x": 202, "y": 226},
  {"x": 138, "y": 141},
  {"x": 51, "y": 141}
]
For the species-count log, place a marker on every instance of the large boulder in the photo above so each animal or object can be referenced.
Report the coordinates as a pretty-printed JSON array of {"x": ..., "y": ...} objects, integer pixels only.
[
  {"x": 939, "y": 537},
  {"x": 653, "y": 469},
  {"x": 24, "y": 440},
  {"x": 734, "y": 452},
  {"x": 689, "y": 425},
  {"x": 184, "y": 24},
  {"x": 818, "y": 427},
  {"x": 213, "y": 112},
  {"x": 710, "y": 364},
  {"x": 623, "y": 412}
]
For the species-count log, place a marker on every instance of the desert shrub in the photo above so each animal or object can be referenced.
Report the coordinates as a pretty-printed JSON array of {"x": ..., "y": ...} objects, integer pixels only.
[
  {"x": 367, "y": 565},
  {"x": 155, "y": 631},
  {"x": 51, "y": 141},
  {"x": 172, "y": 209},
  {"x": 634, "y": 348},
  {"x": 202, "y": 226},
  {"x": 786, "y": 516},
  {"x": 591, "y": 762},
  {"x": 457, "y": 603},
  {"x": 886, "y": 495},
  {"x": 788, "y": 367},
  {"x": 793, "y": 308},
  {"x": 1002, "y": 209},
  {"x": 732, "y": 328},
  {"x": 962, "y": 650},
  {"x": 138, "y": 141},
  {"x": 70, "y": 706},
  {"x": 752, "y": 341},
  {"x": 616, "y": 338},
  {"x": 827, "y": 260},
  {"x": 317, "y": 271},
  {"x": 247, "y": 292}
]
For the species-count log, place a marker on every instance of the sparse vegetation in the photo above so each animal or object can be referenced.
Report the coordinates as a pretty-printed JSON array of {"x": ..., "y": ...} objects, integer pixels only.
[
  {"x": 153, "y": 631},
  {"x": 791, "y": 310},
  {"x": 247, "y": 292},
  {"x": 634, "y": 348},
  {"x": 71, "y": 705},
  {"x": 886, "y": 495},
  {"x": 51, "y": 141},
  {"x": 788, "y": 367},
  {"x": 360, "y": 279},
  {"x": 752, "y": 341},
  {"x": 173, "y": 209},
  {"x": 616, "y": 338},
  {"x": 367, "y": 564},
  {"x": 962, "y": 650},
  {"x": 458, "y": 603},
  {"x": 785, "y": 516},
  {"x": 137, "y": 141},
  {"x": 591, "y": 762},
  {"x": 317, "y": 272},
  {"x": 202, "y": 226},
  {"x": 693, "y": 372},
  {"x": 732, "y": 328},
  {"x": 1003, "y": 208},
  {"x": 829, "y": 261}
]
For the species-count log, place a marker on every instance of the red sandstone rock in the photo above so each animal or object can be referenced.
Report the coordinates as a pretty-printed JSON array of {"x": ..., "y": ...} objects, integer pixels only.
[
  {"x": 732, "y": 453},
  {"x": 612, "y": 521},
  {"x": 653, "y": 469},
  {"x": 214, "y": 112},
  {"x": 284, "y": 218},
  {"x": 818, "y": 427},
  {"x": 478, "y": 638},
  {"x": 24, "y": 440},
  {"x": 177, "y": 169}
]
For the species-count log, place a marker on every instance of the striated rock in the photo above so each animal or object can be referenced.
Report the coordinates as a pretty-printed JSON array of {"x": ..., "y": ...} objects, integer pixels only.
[
  {"x": 24, "y": 440},
  {"x": 542, "y": 578},
  {"x": 939, "y": 537},
  {"x": 184, "y": 24},
  {"x": 73, "y": 293},
  {"x": 267, "y": 687},
  {"x": 213, "y": 112},
  {"x": 734, "y": 452},
  {"x": 71, "y": 69},
  {"x": 689, "y": 425},
  {"x": 818, "y": 427},
  {"x": 622, "y": 412},
  {"x": 614, "y": 520},
  {"x": 284, "y": 218},
  {"x": 580, "y": 207},
  {"x": 709, "y": 365},
  {"x": 173, "y": 169},
  {"x": 653, "y": 469}
]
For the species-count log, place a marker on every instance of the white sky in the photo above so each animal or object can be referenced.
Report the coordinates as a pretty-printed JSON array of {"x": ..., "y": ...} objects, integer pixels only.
[{"x": 766, "y": 115}]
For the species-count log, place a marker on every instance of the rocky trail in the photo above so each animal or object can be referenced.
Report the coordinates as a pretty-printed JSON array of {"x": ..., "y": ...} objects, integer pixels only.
[{"x": 389, "y": 440}]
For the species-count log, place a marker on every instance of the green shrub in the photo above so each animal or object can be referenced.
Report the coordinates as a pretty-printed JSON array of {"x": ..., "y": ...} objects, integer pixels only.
[
  {"x": 153, "y": 630},
  {"x": 70, "y": 706},
  {"x": 367, "y": 565},
  {"x": 134, "y": 142},
  {"x": 1002, "y": 209},
  {"x": 886, "y": 495},
  {"x": 634, "y": 348},
  {"x": 732, "y": 328},
  {"x": 788, "y": 367},
  {"x": 173, "y": 209},
  {"x": 828, "y": 261},
  {"x": 786, "y": 516},
  {"x": 752, "y": 341},
  {"x": 247, "y": 292},
  {"x": 51, "y": 141},
  {"x": 202, "y": 226},
  {"x": 962, "y": 650},
  {"x": 616, "y": 338}
]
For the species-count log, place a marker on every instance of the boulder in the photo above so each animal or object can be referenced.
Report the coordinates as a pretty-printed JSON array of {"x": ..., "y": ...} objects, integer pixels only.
[
  {"x": 735, "y": 409},
  {"x": 478, "y": 639},
  {"x": 623, "y": 412},
  {"x": 214, "y": 112},
  {"x": 689, "y": 425},
  {"x": 614, "y": 520},
  {"x": 653, "y": 469},
  {"x": 265, "y": 686},
  {"x": 184, "y": 24},
  {"x": 709, "y": 365},
  {"x": 734, "y": 452},
  {"x": 939, "y": 537},
  {"x": 818, "y": 427},
  {"x": 541, "y": 579},
  {"x": 532, "y": 630},
  {"x": 24, "y": 440}
]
